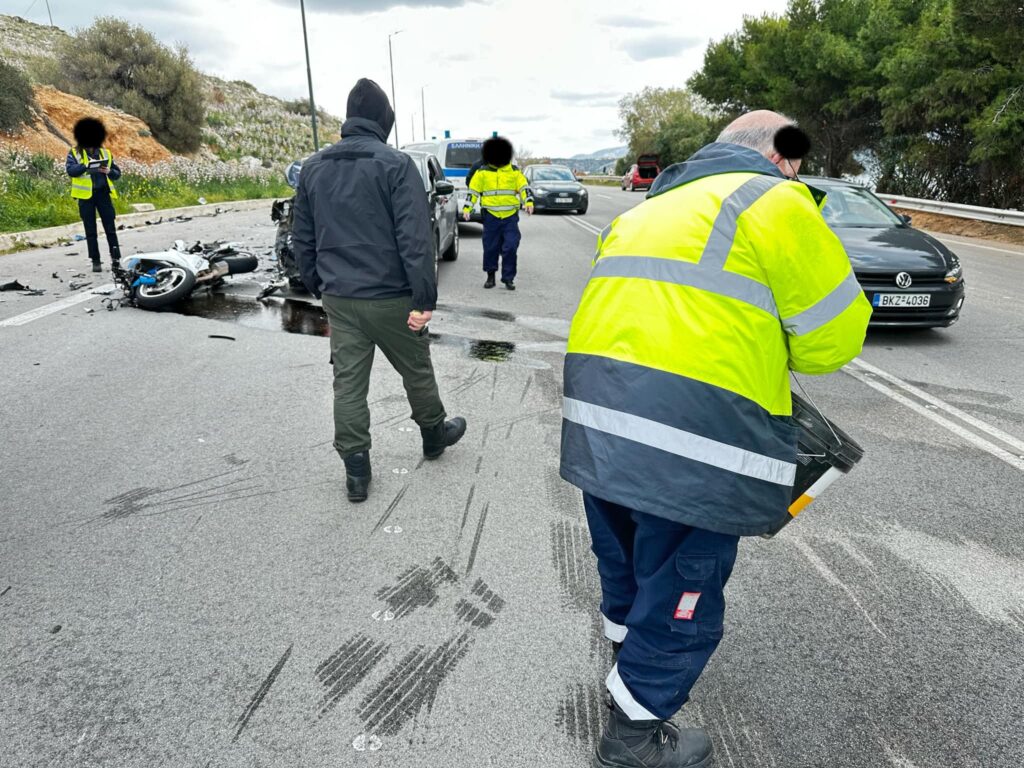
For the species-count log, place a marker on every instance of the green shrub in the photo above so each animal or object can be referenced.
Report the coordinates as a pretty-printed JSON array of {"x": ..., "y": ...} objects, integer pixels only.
[
  {"x": 16, "y": 98},
  {"x": 115, "y": 63}
]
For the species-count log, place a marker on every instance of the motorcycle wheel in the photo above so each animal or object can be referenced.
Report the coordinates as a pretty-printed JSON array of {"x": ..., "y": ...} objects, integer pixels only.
[
  {"x": 172, "y": 285},
  {"x": 240, "y": 263}
]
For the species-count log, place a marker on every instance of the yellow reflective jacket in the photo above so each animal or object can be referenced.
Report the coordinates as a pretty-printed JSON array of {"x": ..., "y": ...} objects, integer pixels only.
[
  {"x": 81, "y": 186},
  {"x": 701, "y": 301},
  {"x": 499, "y": 190}
]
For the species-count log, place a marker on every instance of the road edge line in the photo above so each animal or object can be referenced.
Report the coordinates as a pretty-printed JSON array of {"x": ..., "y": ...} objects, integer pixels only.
[{"x": 48, "y": 309}]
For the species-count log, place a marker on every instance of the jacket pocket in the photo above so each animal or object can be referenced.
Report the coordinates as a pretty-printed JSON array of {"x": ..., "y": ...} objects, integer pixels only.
[{"x": 698, "y": 607}]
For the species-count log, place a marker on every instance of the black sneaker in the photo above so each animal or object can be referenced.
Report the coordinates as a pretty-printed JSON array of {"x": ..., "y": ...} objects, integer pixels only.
[
  {"x": 442, "y": 435},
  {"x": 490, "y": 280},
  {"x": 358, "y": 476},
  {"x": 629, "y": 743},
  {"x": 509, "y": 284}
]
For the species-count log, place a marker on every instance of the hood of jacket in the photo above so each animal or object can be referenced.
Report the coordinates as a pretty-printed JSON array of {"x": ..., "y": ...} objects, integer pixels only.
[
  {"x": 712, "y": 160},
  {"x": 369, "y": 112}
]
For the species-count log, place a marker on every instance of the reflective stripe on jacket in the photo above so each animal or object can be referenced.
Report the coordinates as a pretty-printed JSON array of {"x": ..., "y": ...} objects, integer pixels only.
[
  {"x": 700, "y": 302},
  {"x": 81, "y": 186},
  {"x": 500, "y": 191}
]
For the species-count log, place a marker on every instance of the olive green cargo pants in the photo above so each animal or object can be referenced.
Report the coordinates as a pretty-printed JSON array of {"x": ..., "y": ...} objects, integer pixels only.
[{"x": 358, "y": 327}]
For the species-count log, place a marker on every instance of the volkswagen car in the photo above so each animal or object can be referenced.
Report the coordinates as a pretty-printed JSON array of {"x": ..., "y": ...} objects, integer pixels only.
[
  {"x": 555, "y": 188},
  {"x": 911, "y": 279}
]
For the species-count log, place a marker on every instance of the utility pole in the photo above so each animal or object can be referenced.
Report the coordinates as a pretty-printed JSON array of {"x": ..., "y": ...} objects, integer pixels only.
[
  {"x": 309, "y": 77},
  {"x": 48, "y": 12},
  {"x": 412, "y": 125},
  {"x": 394, "y": 104}
]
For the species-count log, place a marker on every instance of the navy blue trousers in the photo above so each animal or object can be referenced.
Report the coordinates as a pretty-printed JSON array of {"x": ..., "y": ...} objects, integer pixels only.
[
  {"x": 101, "y": 203},
  {"x": 662, "y": 589},
  {"x": 501, "y": 237}
]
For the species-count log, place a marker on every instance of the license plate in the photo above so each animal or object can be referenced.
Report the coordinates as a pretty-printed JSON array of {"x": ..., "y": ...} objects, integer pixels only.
[
  {"x": 885, "y": 300},
  {"x": 563, "y": 199}
]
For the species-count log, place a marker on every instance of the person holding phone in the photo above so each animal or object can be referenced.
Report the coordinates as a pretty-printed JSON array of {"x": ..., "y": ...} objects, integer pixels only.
[{"x": 92, "y": 170}]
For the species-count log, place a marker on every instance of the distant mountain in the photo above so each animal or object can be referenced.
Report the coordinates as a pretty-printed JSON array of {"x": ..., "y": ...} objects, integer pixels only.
[{"x": 613, "y": 153}]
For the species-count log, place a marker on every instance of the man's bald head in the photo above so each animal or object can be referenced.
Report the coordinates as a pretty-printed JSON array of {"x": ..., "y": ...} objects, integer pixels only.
[{"x": 756, "y": 130}]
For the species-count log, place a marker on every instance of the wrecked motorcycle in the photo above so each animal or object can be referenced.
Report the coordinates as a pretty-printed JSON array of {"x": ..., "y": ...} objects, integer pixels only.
[
  {"x": 282, "y": 212},
  {"x": 160, "y": 279}
]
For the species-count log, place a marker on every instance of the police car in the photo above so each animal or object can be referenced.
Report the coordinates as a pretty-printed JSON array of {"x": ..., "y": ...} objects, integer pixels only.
[{"x": 456, "y": 156}]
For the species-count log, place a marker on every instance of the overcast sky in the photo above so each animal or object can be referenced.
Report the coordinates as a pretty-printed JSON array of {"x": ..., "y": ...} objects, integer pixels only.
[{"x": 546, "y": 73}]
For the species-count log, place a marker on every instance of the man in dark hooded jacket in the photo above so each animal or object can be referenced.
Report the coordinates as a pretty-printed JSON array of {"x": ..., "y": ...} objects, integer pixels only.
[{"x": 363, "y": 243}]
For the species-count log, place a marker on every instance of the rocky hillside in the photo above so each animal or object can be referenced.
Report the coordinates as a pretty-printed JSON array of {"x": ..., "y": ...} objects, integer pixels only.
[{"x": 240, "y": 122}]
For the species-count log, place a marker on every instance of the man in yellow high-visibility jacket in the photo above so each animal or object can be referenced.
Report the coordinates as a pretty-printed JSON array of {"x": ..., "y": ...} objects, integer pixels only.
[
  {"x": 701, "y": 301},
  {"x": 501, "y": 189}
]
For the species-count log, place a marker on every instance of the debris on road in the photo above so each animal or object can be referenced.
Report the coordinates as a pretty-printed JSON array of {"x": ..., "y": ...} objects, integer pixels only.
[
  {"x": 14, "y": 285},
  {"x": 220, "y": 336},
  {"x": 89, "y": 310},
  {"x": 75, "y": 286}
]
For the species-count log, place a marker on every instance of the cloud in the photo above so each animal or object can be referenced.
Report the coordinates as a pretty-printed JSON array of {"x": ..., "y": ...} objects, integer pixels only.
[
  {"x": 658, "y": 46},
  {"x": 588, "y": 98},
  {"x": 521, "y": 118},
  {"x": 359, "y": 7},
  {"x": 630, "y": 22}
]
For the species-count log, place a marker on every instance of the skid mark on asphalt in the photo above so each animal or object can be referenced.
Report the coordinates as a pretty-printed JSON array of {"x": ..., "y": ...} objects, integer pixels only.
[
  {"x": 574, "y": 563},
  {"x": 478, "y": 615},
  {"x": 391, "y": 508},
  {"x": 260, "y": 695},
  {"x": 411, "y": 686},
  {"x": 529, "y": 382},
  {"x": 346, "y": 668},
  {"x": 830, "y": 576},
  {"x": 476, "y": 539},
  {"x": 581, "y": 714},
  {"x": 234, "y": 461},
  {"x": 5, "y": 591},
  {"x": 469, "y": 502},
  {"x": 417, "y": 588}
]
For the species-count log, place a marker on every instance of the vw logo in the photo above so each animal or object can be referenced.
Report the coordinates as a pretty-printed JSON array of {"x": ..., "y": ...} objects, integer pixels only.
[{"x": 903, "y": 280}]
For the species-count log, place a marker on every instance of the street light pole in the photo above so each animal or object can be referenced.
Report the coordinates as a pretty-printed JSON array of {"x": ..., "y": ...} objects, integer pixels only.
[
  {"x": 309, "y": 78},
  {"x": 394, "y": 104},
  {"x": 423, "y": 111},
  {"x": 49, "y": 12}
]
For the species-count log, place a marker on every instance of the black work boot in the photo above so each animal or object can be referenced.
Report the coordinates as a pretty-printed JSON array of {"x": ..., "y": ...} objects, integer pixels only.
[
  {"x": 358, "y": 476},
  {"x": 629, "y": 743},
  {"x": 509, "y": 284},
  {"x": 96, "y": 267},
  {"x": 442, "y": 435},
  {"x": 490, "y": 280}
]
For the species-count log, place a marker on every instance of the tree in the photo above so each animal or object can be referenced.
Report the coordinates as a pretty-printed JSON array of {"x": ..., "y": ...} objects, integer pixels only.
[
  {"x": 809, "y": 64},
  {"x": 124, "y": 66},
  {"x": 668, "y": 122},
  {"x": 16, "y": 98}
]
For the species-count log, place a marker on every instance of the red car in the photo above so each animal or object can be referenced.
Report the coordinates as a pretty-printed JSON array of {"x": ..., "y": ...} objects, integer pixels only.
[{"x": 642, "y": 174}]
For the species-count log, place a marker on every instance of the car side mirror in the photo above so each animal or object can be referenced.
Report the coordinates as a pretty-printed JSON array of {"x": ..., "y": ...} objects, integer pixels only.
[
  {"x": 444, "y": 188},
  {"x": 905, "y": 218}
]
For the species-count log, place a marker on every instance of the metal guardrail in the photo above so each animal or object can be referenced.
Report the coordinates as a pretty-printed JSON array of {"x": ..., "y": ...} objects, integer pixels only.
[
  {"x": 588, "y": 177},
  {"x": 993, "y": 215}
]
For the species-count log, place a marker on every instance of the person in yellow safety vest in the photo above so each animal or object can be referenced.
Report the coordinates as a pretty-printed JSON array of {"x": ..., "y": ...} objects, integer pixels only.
[
  {"x": 501, "y": 189},
  {"x": 701, "y": 301},
  {"x": 93, "y": 172}
]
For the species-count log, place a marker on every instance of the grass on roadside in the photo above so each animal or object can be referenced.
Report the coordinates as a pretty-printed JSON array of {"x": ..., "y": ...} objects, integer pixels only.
[{"x": 35, "y": 191}]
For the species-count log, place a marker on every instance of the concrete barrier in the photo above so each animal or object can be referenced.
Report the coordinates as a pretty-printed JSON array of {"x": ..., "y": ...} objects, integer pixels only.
[{"x": 55, "y": 235}]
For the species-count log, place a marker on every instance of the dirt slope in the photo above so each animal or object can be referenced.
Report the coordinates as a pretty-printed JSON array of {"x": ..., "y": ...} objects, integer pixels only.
[{"x": 51, "y": 133}]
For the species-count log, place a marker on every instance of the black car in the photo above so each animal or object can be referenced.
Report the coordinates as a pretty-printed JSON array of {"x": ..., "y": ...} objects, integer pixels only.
[
  {"x": 911, "y": 279},
  {"x": 444, "y": 215},
  {"x": 555, "y": 188}
]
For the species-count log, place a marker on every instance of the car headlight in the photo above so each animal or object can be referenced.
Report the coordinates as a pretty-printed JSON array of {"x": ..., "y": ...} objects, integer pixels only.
[
  {"x": 955, "y": 274},
  {"x": 540, "y": 190},
  {"x": 583, "y": 192}
]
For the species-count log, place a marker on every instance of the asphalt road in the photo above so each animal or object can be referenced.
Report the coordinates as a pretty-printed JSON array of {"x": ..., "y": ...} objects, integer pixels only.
[{"x": 183, "y": 584}]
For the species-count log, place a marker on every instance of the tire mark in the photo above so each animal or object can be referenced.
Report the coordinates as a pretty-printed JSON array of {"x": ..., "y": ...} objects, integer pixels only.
[
  {"x": 348, "y": 666},
  {"x": 479, "y": 463},
  {"x": 261, "y": 694},
  {"x": 577, "y": 573},
  {"x": 5, "y": 591},
  {"x": 487, "y": 432},
  {"x": 469, "y": 502},
  {"x": 391, "y": 508},
  {"x": 488, "y": 596},
  {"x": 529, "y": 382},
  {"x": 417, "y": 588},
  {"x": 580, "y": 714},
  {"x": 234, "y": 461},
  {"x": 494, "y": 384},
  {"x": 411, "y": 686},
  {"x": 476, "y": 539}
]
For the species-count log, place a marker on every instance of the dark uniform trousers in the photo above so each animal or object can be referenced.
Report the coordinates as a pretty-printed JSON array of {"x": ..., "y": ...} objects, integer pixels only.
[
  {"x": 662, "y": 596},
  {"x": 99, "y": 202},
  {"x": 501, "y": 237},
  {"x": 358, "y": 328}
]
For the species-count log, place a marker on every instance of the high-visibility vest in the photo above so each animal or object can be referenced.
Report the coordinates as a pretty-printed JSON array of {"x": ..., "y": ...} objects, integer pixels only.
[
  {"x": 701, "y": 301},
  {"x": 81, "y": 186},
  {"x": 500, "y": 191}
]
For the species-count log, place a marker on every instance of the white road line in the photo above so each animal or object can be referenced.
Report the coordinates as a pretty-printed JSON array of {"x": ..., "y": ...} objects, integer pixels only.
[
  {"x": 583, "y": 225},
  {"x": 1010, "y": 440},
  {"x": 606, "y": 197},
  {"x": 942, "y": 421},
  {"x": 969, "y": 244},
  {"x": 57, "y": 306}
]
